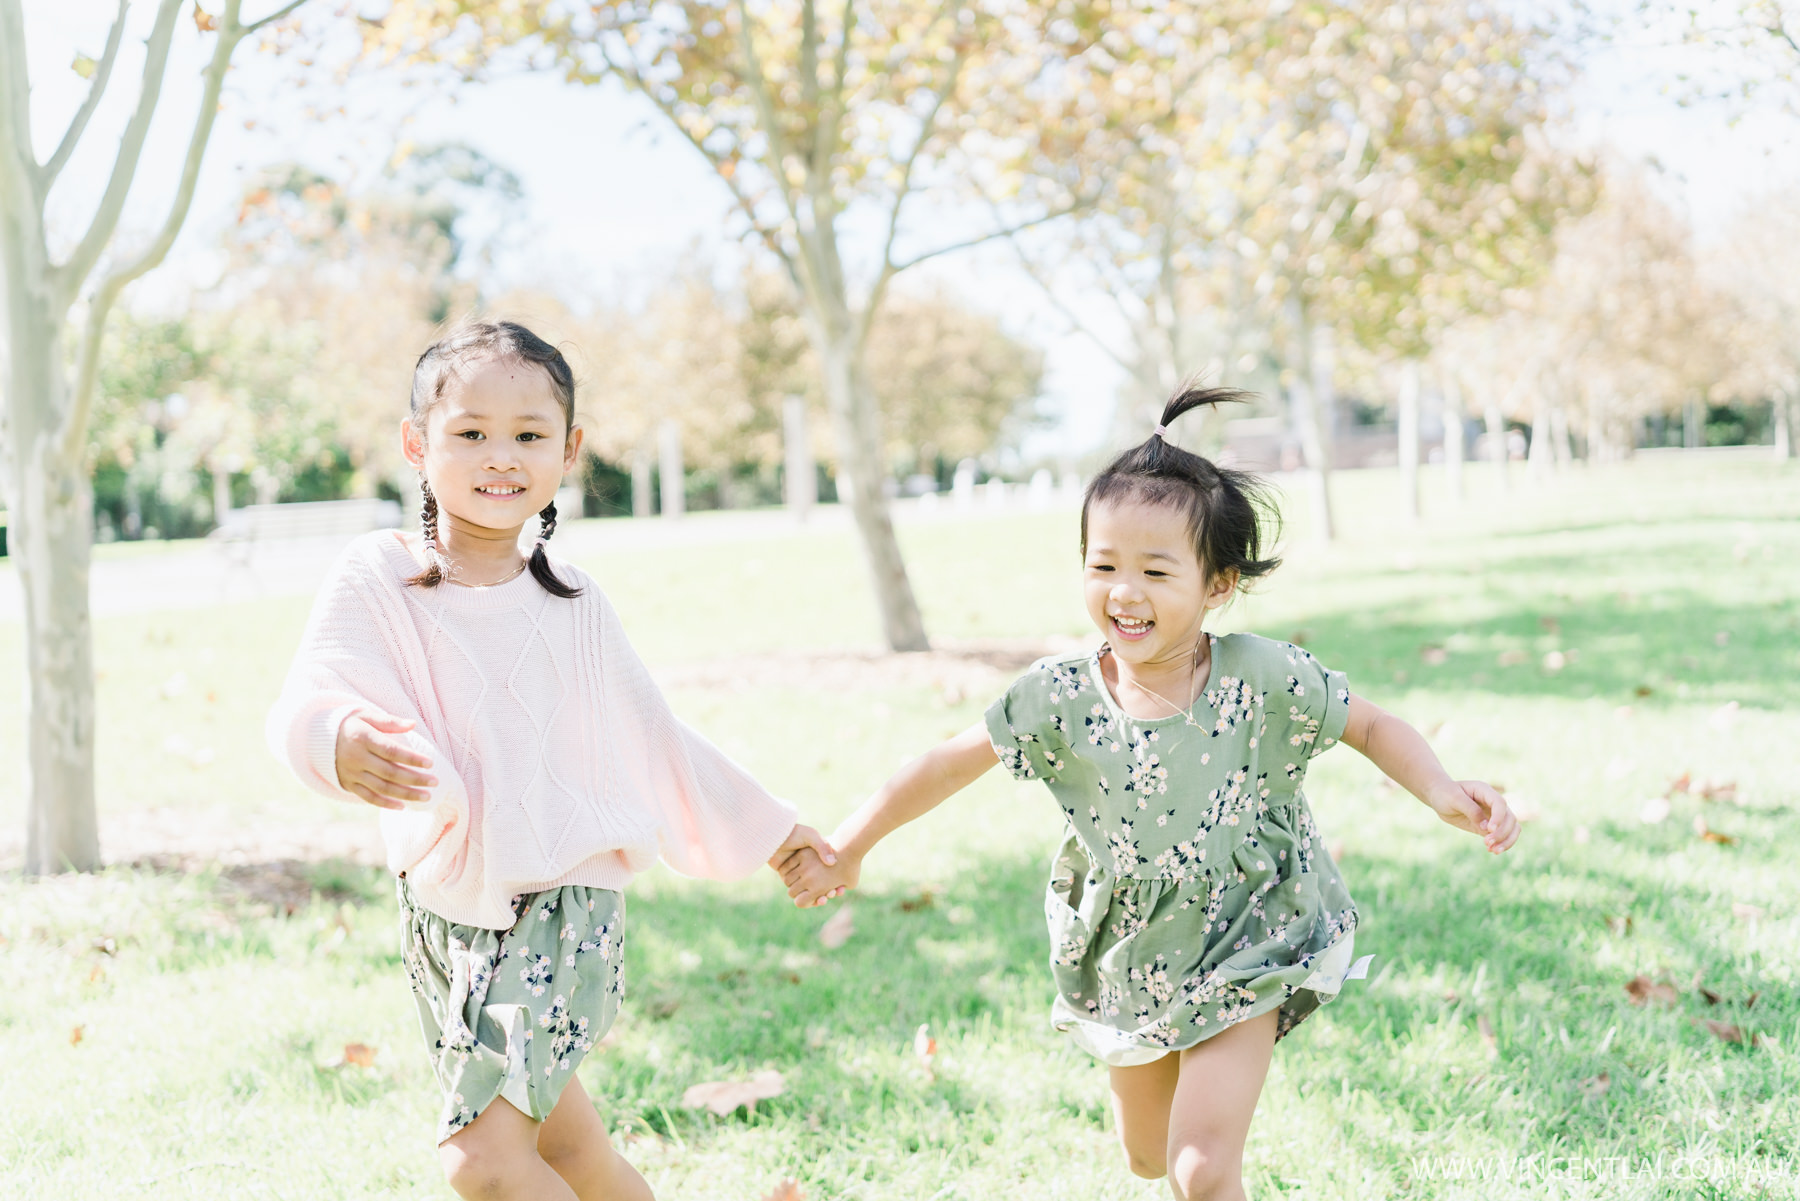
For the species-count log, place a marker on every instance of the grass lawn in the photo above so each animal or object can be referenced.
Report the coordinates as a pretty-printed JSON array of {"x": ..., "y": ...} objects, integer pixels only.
[{"x": 1584, "y": 644}]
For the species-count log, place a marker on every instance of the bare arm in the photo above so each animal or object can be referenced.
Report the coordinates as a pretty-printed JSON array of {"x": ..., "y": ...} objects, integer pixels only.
[
  {"x": 915, "y": 790},
  {"x": 1402, "y": 753}
]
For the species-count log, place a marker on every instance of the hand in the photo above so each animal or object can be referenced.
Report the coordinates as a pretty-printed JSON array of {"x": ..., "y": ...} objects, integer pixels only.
[
  {"x": 811, "y": 881},
  {"x": 1479, "y": 808},
  {"x": 801, "y": 838},
  {"x": 378, "y": 767}
]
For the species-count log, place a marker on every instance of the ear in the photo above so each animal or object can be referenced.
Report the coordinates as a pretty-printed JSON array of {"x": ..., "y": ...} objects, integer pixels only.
[
  {"x": 572, "y": 450},
  {"x": 1219, "y": 589},
  {"x": 412, "y": 446}
]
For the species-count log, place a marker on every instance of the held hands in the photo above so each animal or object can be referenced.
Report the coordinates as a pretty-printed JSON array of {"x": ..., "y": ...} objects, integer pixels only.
[
  {"x": 1479, "y": 808},
  {"x": 816, "y": 874},
  {"x": 377, "y": 766}
]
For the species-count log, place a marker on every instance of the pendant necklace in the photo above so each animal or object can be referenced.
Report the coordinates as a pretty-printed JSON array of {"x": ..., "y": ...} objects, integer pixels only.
[{"x": 1187, "y": 713}]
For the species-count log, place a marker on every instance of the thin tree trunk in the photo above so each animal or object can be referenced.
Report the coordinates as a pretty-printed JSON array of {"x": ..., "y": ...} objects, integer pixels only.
[
  {"x": 1305, "y": 375},
  {"x": 643, "y": 481},
  {"x": 1409, "y": 438},
  {"x": 1541, "y": 455},
  {"x": 1691, "y": 433},
  {"x": 802, "y": 482},
  {"x": 1559, "y": 436},
  {"x": 674, "y": 472},
  {"x": 1453, "y": 435},
  {"x": 1496, "y": 433},
  {"x": 856, "y": 425},
  {"x": 1784, "y": 427}
]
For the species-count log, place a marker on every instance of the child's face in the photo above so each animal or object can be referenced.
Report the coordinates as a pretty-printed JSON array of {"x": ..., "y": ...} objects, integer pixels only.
[
  {"x": 1144, "y": 585},
  {"x": 495, "y": 449}
]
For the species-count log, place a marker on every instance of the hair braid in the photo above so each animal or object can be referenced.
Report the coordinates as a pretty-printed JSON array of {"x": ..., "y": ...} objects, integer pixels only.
[
  {"x": 433, "y": 575},
  {"x": 541, "y": 570}
]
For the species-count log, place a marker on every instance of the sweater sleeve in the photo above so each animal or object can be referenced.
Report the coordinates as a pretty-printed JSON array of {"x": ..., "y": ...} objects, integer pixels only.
[{"x": 715, "y": 820}]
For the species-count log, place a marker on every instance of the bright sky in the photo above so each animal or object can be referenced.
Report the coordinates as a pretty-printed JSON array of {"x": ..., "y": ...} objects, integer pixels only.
[{"x": 613, "y": 198}]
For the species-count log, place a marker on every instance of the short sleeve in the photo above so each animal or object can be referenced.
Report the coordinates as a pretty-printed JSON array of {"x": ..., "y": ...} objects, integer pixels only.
[
  {"x": 1318, "y": 702},
  {"x": 1024, "y": 725}
]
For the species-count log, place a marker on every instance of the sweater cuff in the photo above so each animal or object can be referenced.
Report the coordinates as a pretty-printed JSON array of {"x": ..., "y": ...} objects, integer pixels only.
[{"x": 321, "y": 749}]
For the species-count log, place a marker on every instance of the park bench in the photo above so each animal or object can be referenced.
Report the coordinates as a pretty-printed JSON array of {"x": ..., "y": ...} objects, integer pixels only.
[{"x": 243, "y": 528}]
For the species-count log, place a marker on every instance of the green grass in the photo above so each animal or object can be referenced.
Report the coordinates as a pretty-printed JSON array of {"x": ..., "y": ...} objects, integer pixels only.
[{"x": 210, "y": 1003}]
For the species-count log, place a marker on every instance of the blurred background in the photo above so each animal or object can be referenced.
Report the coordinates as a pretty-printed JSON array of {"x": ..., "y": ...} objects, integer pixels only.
[{"x": 858, "y": 297}]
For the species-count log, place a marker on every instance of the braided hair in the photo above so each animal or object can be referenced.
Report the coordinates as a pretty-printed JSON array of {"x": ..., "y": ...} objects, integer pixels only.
[
  {"x": 467, "y": 343},
  {"x": 1227, "y": 511}
]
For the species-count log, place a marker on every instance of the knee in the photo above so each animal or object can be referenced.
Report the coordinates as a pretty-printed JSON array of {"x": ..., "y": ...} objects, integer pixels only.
[
  {"x": 1146, "y": 1167},
  {"x": 473, "y": 1169},
  {"x": 1200, "y": 1172},
  {"x": 573, "y": 1159}
]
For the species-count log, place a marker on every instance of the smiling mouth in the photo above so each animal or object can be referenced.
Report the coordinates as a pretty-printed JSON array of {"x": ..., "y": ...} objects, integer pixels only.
[
  {"x": 1132, "y": 627},
  {"x": 501, "y": 491}
]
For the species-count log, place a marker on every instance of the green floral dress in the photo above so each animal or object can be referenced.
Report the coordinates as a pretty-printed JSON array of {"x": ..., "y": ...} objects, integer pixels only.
[
  {"x": 511, "y": 1013},
  {"x": 1193, "y": 890}
]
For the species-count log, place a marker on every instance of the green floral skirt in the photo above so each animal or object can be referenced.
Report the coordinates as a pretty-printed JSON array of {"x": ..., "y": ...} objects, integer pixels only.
[
  {"x": 511, "y": 1013},
  {"x": 1148, "y": 966}
]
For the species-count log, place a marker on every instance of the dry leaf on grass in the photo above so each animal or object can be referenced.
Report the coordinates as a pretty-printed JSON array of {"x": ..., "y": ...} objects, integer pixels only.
[
  {"x": 1729, "y": 1032},
  {"x": 1703, "y": 831},
  {"x": 1712, "y": 998},
  {"x": 924, "y": 900},
  {"x": 356, "y": 1055},
  {"x": 1643, "y": 990},
  {"x": 1433, "y": 656},
  {"x": 76, "y": 1035},
  {"x": 837, "y": 931},
  {"x": 1596, "y": 1086},
  {"x": 1486, "y": 1029},
  {"x": 924, "y": 1047},
  {"x": 1620, "y": 926},
  {"x": 787, "y": 1190},
  {"x": 96, "y": 974},
  {"x": 724, "y": 1096}
]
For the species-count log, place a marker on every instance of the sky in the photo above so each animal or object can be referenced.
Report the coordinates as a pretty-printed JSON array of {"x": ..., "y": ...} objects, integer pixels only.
[{"x": 612, "y": 199}]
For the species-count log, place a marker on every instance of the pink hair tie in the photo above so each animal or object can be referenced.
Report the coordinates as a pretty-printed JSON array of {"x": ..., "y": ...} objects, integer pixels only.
[{"x": 1160, "y": 431}]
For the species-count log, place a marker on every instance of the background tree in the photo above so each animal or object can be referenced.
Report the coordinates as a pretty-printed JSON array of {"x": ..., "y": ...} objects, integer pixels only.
[
  {"x": 821, "y": 120},
  {"x": 49, "y": 498}
]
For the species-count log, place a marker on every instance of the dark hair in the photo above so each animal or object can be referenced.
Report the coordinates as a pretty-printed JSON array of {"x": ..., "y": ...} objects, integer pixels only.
[
  {"x": 1226, "y": 510},
  {"x": 474, "y": 341}
]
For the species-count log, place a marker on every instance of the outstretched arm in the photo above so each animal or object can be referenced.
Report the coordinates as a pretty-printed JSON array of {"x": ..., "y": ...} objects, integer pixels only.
[
  {"x": 914, "y": 791},
  {"x": 1403, "y": 754}
]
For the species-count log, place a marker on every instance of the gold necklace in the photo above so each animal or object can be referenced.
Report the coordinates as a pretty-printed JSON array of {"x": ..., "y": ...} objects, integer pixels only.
[
  {"x": 506, "y": 579},
  {"x": 1193, "y": 674}
]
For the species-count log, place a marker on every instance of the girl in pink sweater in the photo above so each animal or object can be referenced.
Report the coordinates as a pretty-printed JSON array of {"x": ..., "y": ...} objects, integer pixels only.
[{"x": 525, "y": 762}]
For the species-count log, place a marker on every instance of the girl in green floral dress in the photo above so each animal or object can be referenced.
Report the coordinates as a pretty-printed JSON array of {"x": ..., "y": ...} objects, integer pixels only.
[{"x": 1195, "y": 914}]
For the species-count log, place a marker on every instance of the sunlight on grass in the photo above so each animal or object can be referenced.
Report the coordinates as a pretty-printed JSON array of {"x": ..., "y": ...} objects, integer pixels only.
[{"x": 1584, "y": 645}]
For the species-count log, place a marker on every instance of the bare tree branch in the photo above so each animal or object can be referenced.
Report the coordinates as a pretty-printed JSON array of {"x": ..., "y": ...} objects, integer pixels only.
[
  {"x": 74, "y": 427},
  {"x": 68, "y": 277},
  {"x": 96, "y": 89},
  {"x": 1069, "y": 315},
  {"x": 278, "y": 14},
  {"x": 1075, "y": 206}
]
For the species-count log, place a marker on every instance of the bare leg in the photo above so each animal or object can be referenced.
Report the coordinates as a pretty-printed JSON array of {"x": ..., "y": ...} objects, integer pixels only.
[
  {"x": 1215, "y": 1099},
  {"x": 573, "y": 1141},
  {"x": 1142, "y": 1097},
  {"x": 495, "y": 1158}
]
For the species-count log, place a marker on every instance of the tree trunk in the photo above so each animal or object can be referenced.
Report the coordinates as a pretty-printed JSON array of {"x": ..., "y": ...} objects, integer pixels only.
[
  {"x": 802, "y": 477},
  {"x": 1784, "y": 427},
  {"x": 643, "y": 482},
  {"x": 1409, "y": 438},
  {"x": 49, "y": 538},
  {"x": 1307, "y": 401},
  {"x": 1453, "y": 435},
  {"x": 1691, "y": 433},
  {"x": 1496, "y": 433},
  {"x": 856, "y": 426},
  {"x": 1540, "y": 458},
  {"x": 674, "y": 471}
]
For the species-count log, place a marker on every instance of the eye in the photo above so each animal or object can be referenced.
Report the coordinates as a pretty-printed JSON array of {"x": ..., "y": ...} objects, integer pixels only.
[
  {"x": 471, "y": 435},
  {"x": 1100, "y": 567},
  {"x": 530, "y": 437},
  {"x": 1161, "y": 575}
]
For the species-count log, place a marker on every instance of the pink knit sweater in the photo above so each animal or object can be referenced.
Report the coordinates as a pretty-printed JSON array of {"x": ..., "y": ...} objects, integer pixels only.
[{"x": 558, "y": 761}]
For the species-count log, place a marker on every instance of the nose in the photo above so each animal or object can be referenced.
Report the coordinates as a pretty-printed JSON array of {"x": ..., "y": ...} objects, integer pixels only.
[{"x": 1125, "y": 593}]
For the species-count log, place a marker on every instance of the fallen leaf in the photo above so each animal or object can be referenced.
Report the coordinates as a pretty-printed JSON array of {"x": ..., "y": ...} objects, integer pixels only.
[
  {"x": 1433, "y": 656},
  {"x": 924, "y": 1047},
  {"x": 97, "y": 974},
  {"x": 1654, "y": 810},
  {"x": 1596, "y": 1086},
  {"x": 1549, "y": 625},
  {"x": 1717, "y": 790},
  {"x": 837, "y": 931},
  {"x": 1750, "y": 1001},
  {"x": 1642, "y": 990},
  {"x": 1620, "y": 926},
  {"x": 1301, "y": 636},
  {"x": 1512, "y": 658},
  {"x": 663, "y": 1008},
  {"x": 925, "y": 900},
  {"x": 1712, "y": 998},
  {"x": 725, "y": 1096},
  {"x": 106, "y": 946},
  {"x": 84, "y": 66},
  {"x": 1749, "y": 913},
  {"x": 1701, "y": 830},
  {"x": 1727, "y": 1031},
  {"x": 787, "y": 1190},
  {"x": 204, "y": 21},
  {"x": 1642, "y": 690},
  {"x": 1486, "y": 1030},
  {"x": 359, "y": 1055},
  {"x": 1681, "y": 783},
  {"x": 75, "y": 1035}
]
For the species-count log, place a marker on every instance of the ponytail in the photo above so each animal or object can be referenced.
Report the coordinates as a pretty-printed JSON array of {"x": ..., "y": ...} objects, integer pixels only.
[{"x": 541, "y": 570}]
